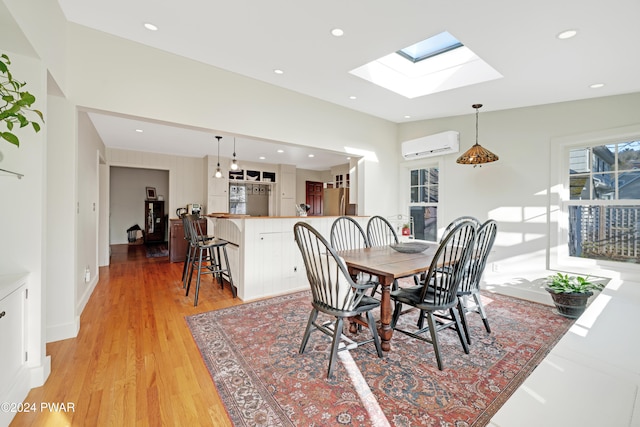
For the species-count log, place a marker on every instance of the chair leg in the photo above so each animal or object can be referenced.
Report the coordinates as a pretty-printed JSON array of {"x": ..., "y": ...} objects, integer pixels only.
[
  {"x": 195, "y": 301},
  {"x": 456, "y": 318},
  {"x": 374, "y": 290},
  {"x": 216, "y": 264},
  {"x": 190, "y": 273},
  {"x": 463, "y": 318},
  {"x": 337, "y": 334},
  {"x": 483, "y": 314},
  {"x": 307, "y": 332},
  {"x": 234, "y": 290},
  {"x": 396, "y": 315},
  {"x": 372, "y": 326},
  {"x": 185, "y": 267},
  {"x": 434, "y": 337},
  {"x": 420, "y": 323}
]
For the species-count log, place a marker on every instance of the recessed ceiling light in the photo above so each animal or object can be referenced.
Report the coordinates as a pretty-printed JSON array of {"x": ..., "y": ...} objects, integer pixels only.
[
  {"x": 280, "y": 151},
  {"x": 149, "y": 26},
  {"x": 139, "y": 130},
  {"x": 596, "y": 85},
  {"x": 353, "y": 97},
  {"x": 337, "y": 32},
  {"x": 277, "y": 71},
  {"x": 262, "y": 157},
  {"x": 407, "y": 117},
  {"x": 567, "y": 34},
  {"x": 311, "y": 155}
]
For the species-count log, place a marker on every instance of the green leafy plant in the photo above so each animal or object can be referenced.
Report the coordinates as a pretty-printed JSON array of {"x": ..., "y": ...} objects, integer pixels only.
[
  {"x": 564, "y": 284},
  {"x": 15, "y": 103}
]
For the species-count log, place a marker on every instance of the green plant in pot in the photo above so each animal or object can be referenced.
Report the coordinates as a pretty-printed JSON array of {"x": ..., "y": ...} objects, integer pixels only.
[
  {"x": 571, "y": 293},
  {"x": 15, "y": 103}
]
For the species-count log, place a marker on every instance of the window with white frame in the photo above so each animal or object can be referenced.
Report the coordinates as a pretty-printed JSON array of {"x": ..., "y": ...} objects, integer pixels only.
[
  {"x": 423, "y": 205},
  {"x": 604, "y": 202}
]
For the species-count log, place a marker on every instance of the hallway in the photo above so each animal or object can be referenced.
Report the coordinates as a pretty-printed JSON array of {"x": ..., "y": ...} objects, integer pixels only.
[{"x": 134, "y": 361}]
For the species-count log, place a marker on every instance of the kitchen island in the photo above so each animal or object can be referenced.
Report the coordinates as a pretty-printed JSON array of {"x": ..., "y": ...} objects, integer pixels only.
[{"x": 265, "y": 260}]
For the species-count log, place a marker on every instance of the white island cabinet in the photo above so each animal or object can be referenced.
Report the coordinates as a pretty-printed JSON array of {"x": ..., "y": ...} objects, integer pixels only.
[{"x": 265, "y": 260}]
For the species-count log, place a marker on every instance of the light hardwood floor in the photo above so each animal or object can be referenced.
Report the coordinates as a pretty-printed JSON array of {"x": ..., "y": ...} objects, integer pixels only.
[{"x": 134, "y": 362}]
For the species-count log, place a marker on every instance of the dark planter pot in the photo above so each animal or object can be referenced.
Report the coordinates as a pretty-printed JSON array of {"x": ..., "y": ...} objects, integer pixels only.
[{"x": 570, "y": 305}]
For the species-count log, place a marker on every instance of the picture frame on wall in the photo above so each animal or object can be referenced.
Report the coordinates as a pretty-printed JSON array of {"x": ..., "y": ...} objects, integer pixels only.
[{"x": 151, "y": 193}]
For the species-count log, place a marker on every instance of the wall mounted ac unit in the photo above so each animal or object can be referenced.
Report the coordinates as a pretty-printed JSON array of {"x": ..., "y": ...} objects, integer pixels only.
[{"x": 432, "y": 145}]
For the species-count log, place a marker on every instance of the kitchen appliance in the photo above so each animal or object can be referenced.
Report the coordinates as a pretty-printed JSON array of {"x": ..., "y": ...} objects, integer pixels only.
[
  {"x": 194, "y": 208},
  {"x": 336, "y": 201},
  {"x": 180, "y": 212}
]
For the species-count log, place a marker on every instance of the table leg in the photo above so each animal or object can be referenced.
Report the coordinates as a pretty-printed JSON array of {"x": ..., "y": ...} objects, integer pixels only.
[{"x": 385, "y": 330}]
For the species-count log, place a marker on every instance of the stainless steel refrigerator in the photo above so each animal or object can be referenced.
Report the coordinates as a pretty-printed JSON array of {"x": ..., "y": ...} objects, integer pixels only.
[
  {"x": 249, "y": 199},
  {"x": 336, "y": 201}
]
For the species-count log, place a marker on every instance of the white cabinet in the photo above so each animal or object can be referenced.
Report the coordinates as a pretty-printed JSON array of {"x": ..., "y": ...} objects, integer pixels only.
[
  {"x": 14, "y": 376},
  {"x": 217, "y": 188},
  {"x": 287, "y": 191}
]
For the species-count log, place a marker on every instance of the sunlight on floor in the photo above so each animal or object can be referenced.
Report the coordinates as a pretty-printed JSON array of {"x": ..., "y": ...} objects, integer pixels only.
[
  {"x": 588, "y": 318},
  {"x": 368, "y": 399},
  {"x": 533, "y": 394}
]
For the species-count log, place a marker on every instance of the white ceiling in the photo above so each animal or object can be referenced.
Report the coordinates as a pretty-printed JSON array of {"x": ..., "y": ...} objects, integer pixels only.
[{"x": 253, "y": 38}]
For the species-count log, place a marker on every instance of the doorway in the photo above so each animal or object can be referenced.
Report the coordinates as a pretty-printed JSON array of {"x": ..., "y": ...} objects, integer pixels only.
[
  {"x": 128, "y": 204},
  {"x": 314, "y": 197}
]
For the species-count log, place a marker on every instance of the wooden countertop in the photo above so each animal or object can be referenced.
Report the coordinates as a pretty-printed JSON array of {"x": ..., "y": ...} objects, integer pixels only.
[{"x": 238, "y": 216}]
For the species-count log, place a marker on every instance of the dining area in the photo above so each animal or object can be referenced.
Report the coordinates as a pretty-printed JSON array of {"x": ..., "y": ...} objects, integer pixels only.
[{"x": 361, "y": 269}]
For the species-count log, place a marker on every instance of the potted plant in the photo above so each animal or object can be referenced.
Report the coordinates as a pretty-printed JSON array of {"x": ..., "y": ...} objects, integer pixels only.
[
  {"x": 571, "y": 293},
  {"x": 15, "y": 103},
  {"x": 406, "y": 230}
]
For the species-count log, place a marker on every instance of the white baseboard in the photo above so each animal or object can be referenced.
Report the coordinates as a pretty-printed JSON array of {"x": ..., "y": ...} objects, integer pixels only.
[
  {"x": 26, "y": 379},
  {"x": 63, "y": 331},
  {"x": 14, "y": 395},
  {"x": 82, "y": 302},
  {"x": 39, "y": 374}
]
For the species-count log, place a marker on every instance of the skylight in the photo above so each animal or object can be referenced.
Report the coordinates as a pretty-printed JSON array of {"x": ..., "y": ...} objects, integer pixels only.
[
  {"x": 433, "y": 65},
  {"x": 440, "y": 43}
]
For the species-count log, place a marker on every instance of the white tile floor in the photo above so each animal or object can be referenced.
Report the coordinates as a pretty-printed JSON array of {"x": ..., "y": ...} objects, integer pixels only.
[{"x": 592, "y": 376}]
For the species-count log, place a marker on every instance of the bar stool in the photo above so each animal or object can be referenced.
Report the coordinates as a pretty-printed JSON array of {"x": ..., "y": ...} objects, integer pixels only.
[
  {"x": 191, "y": 246},
  {"x": 207, "y": 257},
  {"x": 187, "y": 257}
]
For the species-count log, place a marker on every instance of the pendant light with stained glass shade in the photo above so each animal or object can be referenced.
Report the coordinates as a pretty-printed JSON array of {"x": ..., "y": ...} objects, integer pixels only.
[
  {"x": 218, "y": 171},
  {"x": 477, "y": 154}
]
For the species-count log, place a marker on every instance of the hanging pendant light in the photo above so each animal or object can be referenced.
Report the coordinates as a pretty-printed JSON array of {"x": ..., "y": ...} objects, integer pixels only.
[
  {"x": 234, "y": 163},
  {"x": 476, "y": 155},
  {"x": 218, "y": 171}
]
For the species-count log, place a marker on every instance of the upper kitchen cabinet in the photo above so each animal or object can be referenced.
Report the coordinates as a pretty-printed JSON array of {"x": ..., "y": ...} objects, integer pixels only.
[
  {"x": 268, "y": 176},
  {"x": 218, "y": 188},
  {"x": 252, "y": 175}
]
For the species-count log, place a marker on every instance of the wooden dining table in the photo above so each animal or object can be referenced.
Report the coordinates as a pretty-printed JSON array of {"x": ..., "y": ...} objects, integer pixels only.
[{"x": 388, "y": 265}]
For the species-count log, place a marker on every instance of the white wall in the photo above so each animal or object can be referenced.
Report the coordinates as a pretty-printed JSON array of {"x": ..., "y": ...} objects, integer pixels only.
[
  {"x": 517, "y": 190},
  {"x": 304, "y": 175},
  {"x": 61, "y": 216},
  {"x": 22, "y": 224},
  {"x": 185, "y": 175},
  {"x": 90, "y": 150},
  {"x": 223, "y": 101}
]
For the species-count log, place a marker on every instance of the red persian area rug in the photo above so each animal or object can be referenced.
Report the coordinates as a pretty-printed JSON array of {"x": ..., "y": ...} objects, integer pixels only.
[{"x": 251, "y": 351}]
